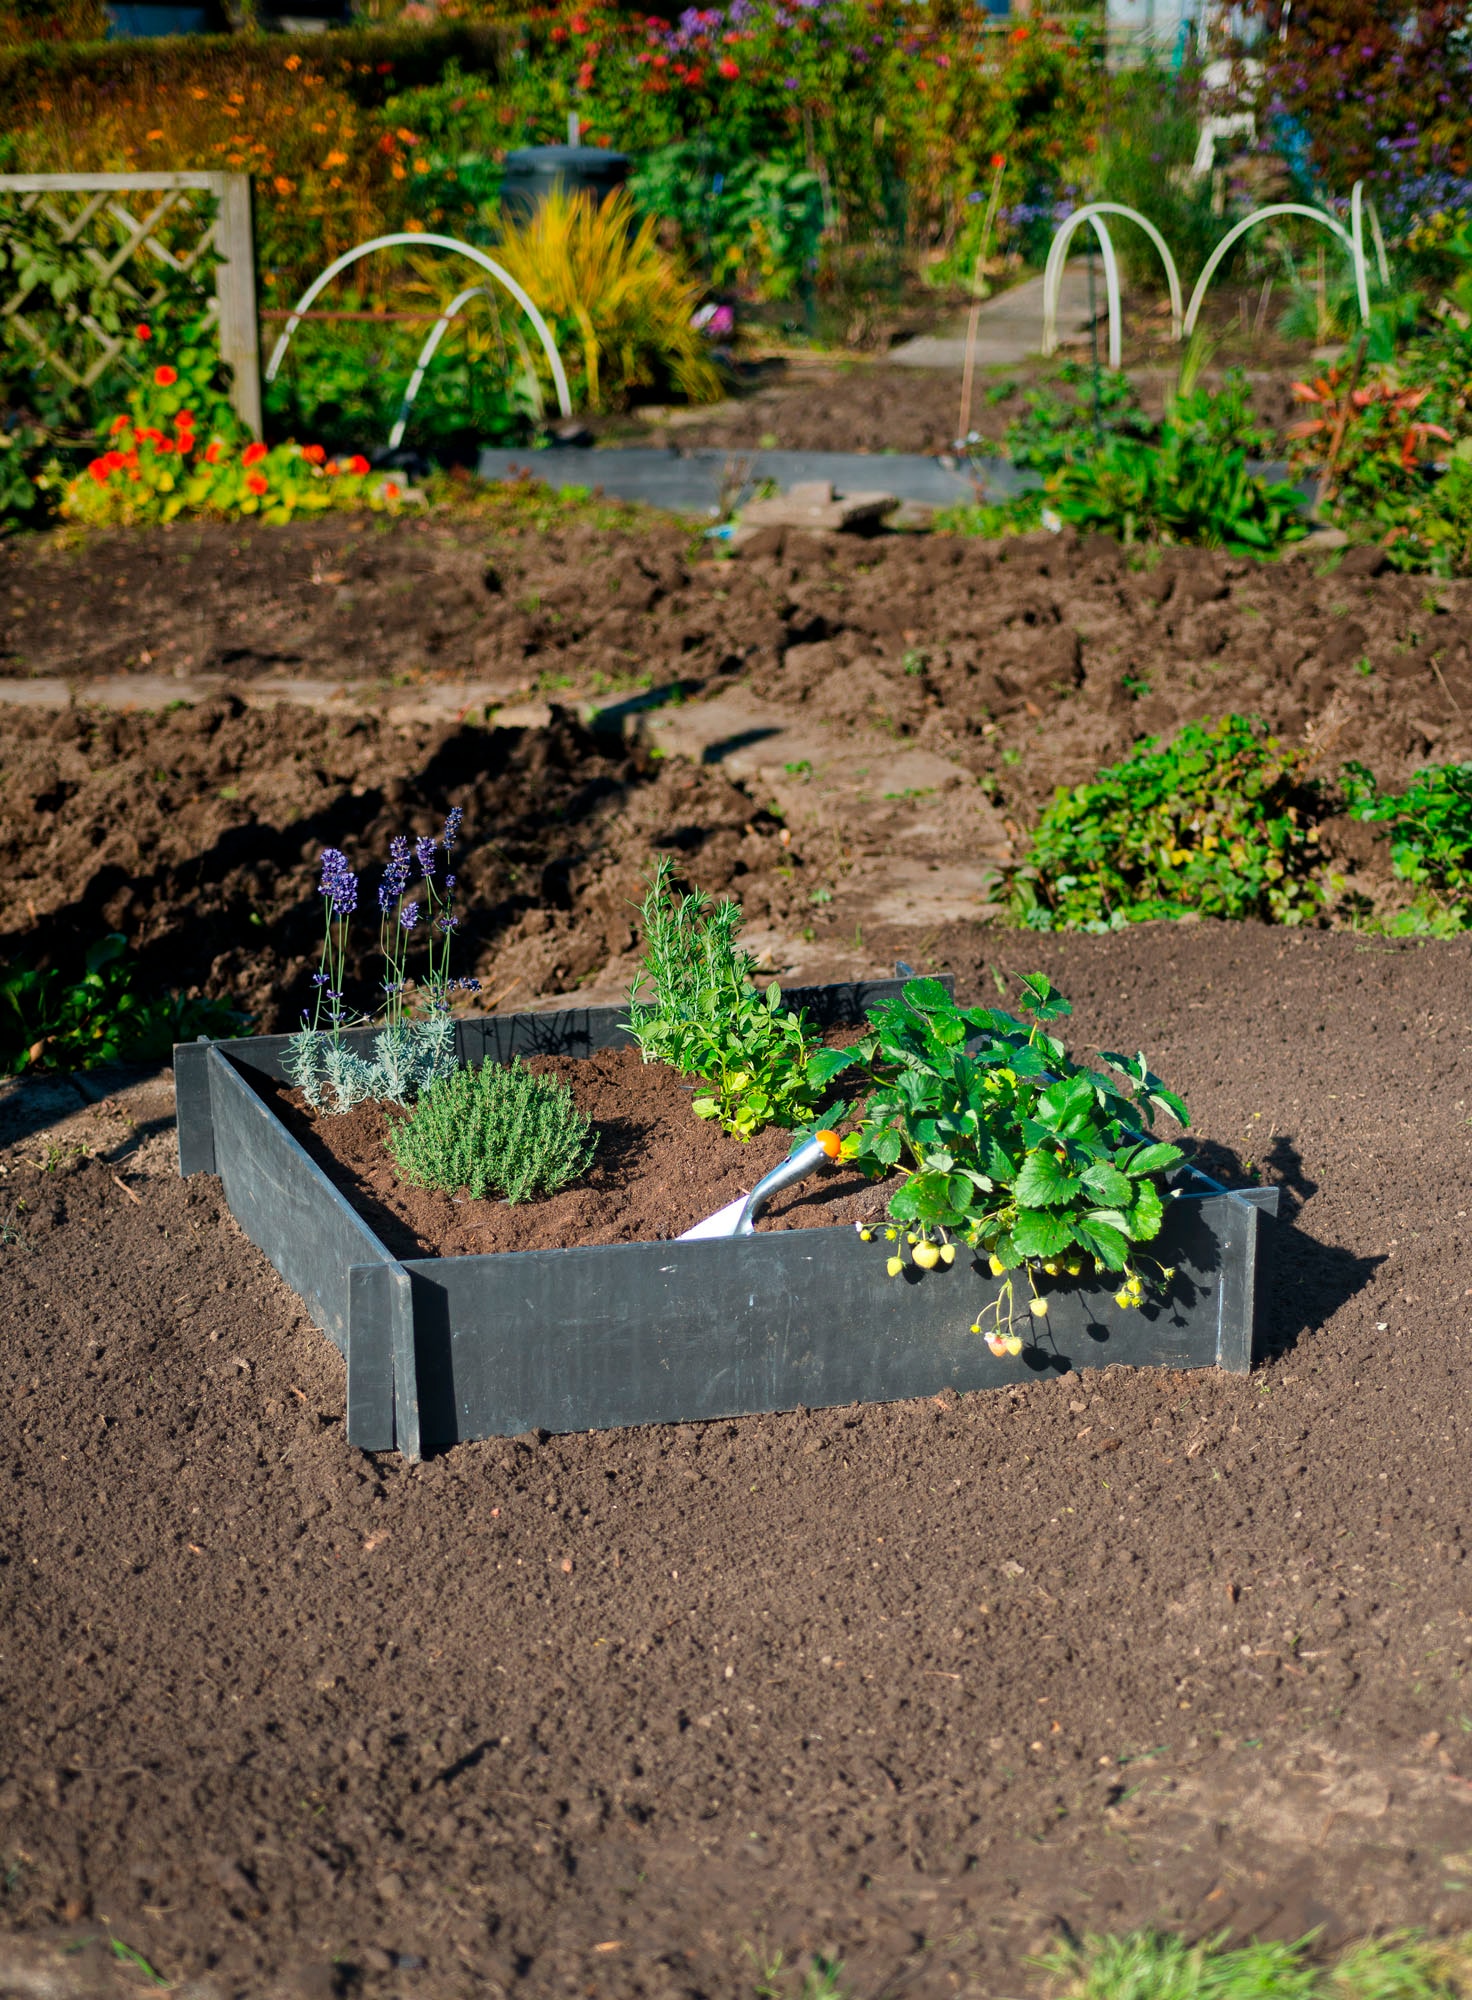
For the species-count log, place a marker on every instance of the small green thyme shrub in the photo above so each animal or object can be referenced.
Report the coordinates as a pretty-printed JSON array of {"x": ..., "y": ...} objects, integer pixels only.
[
  {"x": 707, "y": 1020},
  {"x": 494, "y": 1130},
  {"x": 1219, "y": 823}
]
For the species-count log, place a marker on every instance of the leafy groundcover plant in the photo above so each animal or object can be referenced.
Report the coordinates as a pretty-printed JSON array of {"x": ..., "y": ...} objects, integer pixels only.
[
  {"x": 1430, "y": 828},
  {"x": 497, "y": 1129},
  {"x": 1219, "y": 822},
  {"x": 706, "y": 1018},
  {"x": 50, "y": 1022},
  {"x": 1008, "y": 1147}
]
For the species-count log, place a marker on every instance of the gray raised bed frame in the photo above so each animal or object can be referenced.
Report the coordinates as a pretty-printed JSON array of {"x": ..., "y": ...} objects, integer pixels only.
[{"x": 440, "y": 1350}]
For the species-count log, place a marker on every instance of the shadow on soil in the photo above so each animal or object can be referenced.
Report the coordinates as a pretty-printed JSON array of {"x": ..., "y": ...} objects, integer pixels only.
[{"x": 1307, "y": 1281}]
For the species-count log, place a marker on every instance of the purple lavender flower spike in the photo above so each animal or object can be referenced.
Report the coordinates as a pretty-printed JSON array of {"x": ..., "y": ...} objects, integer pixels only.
[
  {"x": 395, "y": 875},
  {"x": 424, "y": 853},
  {"x": 409, "y": 916},
  {"x": 453, "y": 819},
  {"x": 339, "y": 884}
]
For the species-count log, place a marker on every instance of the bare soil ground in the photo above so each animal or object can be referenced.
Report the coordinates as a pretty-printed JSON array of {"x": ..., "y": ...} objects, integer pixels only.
[{"x": 907, "y": 1685}]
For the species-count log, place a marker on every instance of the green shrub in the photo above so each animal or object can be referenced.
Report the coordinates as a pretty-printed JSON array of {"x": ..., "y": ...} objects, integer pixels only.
[
  {"x": 707, "y": 1020},
  {"x": 494, "y": 1130},
  {"x": 1216, "y": 824},
  {"x": 48, "y": 1021}
]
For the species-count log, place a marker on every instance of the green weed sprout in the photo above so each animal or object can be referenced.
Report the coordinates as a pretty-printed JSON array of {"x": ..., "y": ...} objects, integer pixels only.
[
  {"x": 707, "y": 1020},
  {"x": 497, "y": 1129},
  {"x": 1043, "y": 1166}
]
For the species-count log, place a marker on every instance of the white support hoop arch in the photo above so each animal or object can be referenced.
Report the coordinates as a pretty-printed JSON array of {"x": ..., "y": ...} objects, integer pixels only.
[
  {"x": 1053, "y": 275},
  {"x": 423, "y": 240},
  {"x": 1352, "y": 241},
  {"x": 1358, "y": 205},
  {"x": 427, "y": 353}
]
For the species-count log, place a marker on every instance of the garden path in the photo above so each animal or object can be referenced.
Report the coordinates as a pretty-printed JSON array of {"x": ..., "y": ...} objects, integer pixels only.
[{"x": 1009, "y": 327}]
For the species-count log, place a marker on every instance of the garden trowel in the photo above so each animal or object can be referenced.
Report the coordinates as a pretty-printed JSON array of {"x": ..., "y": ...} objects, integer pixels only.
[{"x": 738, "y": 1218}]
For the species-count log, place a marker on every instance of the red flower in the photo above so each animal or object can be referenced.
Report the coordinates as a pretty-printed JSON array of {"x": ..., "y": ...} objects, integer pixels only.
[
  {"x": 112, "y": 461},
  {"x": 661, "y": 62},
  {"x": 999, "y": 160},
  {"x": 163, "y": 446},
  {"x": 256, "y": 484},
  {"x": 357, "y": 463},
  {"x": 213, "y": 452},
  {"x": 390, "y": 490},
  {"x": 165, "y": 376},
  {"x": 118, "y": 424},
  {"x": 559, "y": 33},
  {"x": 184, "y": 421},
  {"x": 313, "y": 454},
  {"x": 728, "y": 69},
  {"x": 99, "y": 471},
  {"x": 579, "y": 24},
  {"x": 585, "y": 77},
  {"x": 143, "y": 332},
  {"x": 253, "y": 454},
  {"x": 331, "y": 468}
]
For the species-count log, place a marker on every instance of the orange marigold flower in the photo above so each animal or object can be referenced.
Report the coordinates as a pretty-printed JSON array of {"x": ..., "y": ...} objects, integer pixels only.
[
  {"x": 213, "y": 452},
  {"x": 390, "y": 489},
  {"x": 165, "y": 376},
  {"x": 256, "y": 483},
  {"x": 358, "y": 464},
  {"x": 313, "y": 454},
  {"x": 253, "y": 454}
]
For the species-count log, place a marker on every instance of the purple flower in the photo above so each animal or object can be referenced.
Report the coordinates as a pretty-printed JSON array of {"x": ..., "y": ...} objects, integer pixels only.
[
  {"x": 424, "y": 852},
  {"x": 339, "y": 884},
  {"x": 395, "y": 875},
  {"x": 447, "y": 923},
  {"x": 409, "y": 916},
  {"x": 451, "y": 833}
]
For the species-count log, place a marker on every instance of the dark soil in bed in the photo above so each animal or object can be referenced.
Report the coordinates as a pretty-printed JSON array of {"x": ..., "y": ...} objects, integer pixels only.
[
  {"x": 658, "y": 1170},
  {"x": 611, "y": 1714}
]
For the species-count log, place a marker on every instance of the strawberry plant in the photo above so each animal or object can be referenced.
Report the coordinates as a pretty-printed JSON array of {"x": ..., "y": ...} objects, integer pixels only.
[
  {"x": 1005, "y": 1145},
  {"x": 707, "y": 1019}
]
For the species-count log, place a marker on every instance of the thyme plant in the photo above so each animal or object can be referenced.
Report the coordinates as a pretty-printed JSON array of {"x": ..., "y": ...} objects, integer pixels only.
[{"x": 493, "y": 1130}]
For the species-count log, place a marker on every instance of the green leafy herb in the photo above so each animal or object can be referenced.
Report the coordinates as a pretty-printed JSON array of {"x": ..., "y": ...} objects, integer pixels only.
[
  {"x": 1043, "y": 1165},
  {"x": 707, "y": 1020},
  {"x": 497, "y": 1129}
]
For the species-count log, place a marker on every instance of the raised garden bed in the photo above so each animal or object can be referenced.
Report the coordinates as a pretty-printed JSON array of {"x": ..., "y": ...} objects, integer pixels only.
[{"x": 441, "y": 1350}]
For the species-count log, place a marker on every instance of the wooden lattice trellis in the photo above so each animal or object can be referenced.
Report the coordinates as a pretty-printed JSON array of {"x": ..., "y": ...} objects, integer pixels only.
[{"x": 122, "y": 245}]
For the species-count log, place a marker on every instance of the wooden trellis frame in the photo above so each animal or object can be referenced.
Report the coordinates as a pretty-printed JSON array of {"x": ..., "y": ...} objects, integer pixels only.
[{"x": 124, "y": 262}]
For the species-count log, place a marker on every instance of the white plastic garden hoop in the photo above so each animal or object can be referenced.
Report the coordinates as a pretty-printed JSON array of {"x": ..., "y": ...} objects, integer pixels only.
[
  {"x": 1053, "y": 275},
  {"x": 1352, "y": 241},
  {"x": 426, "y": 355},
  {"x": 425, "y": 241}
]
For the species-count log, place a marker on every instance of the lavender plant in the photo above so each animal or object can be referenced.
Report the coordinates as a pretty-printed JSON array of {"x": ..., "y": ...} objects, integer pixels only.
[{"x": 415, "y": 1045}]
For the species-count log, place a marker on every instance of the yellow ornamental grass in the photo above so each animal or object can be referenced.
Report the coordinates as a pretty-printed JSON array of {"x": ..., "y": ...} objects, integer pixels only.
[{"x": 602, "y": 275}]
